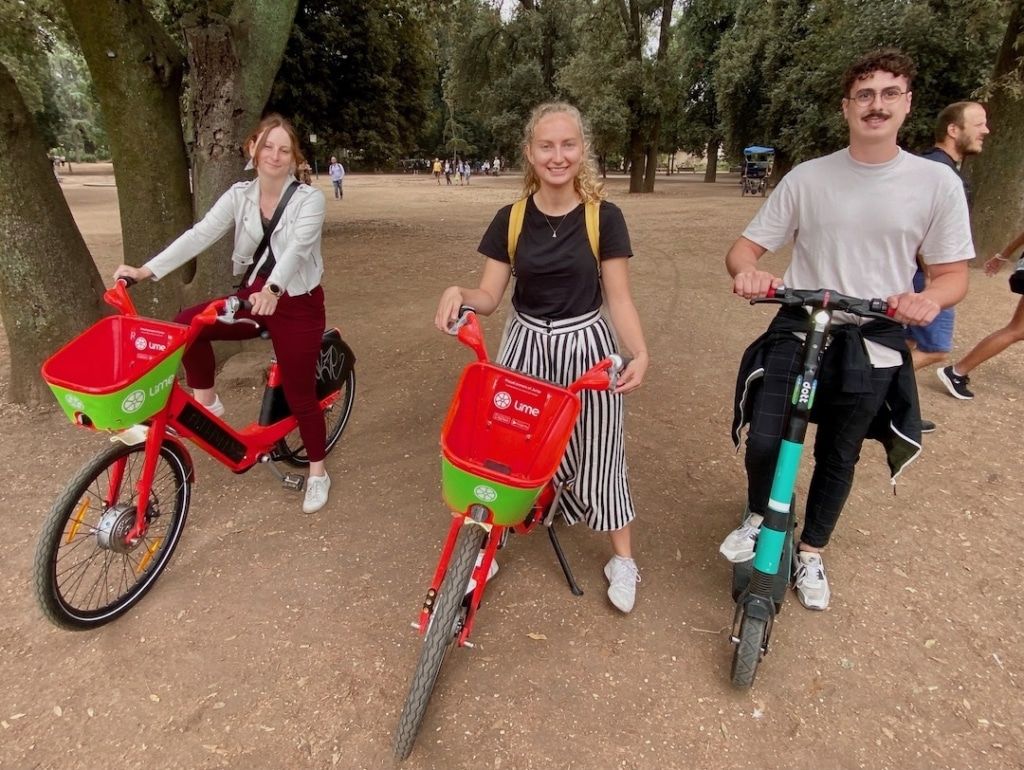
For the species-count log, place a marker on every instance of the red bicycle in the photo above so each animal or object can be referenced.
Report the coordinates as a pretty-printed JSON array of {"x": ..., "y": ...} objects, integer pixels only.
[
  {"x": 501, "y": 443},
  {"x": 114, "y": 528}
]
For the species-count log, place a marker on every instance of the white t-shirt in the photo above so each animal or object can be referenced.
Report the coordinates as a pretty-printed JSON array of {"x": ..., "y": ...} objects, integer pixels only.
[{"x": 857, "y": 228}]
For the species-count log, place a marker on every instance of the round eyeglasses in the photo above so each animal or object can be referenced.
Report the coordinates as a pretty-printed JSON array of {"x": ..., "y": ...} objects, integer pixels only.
[{"x": 866, "y": 96}]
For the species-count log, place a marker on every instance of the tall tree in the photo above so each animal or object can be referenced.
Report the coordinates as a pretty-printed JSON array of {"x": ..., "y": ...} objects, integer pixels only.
[
  {"x": 375, "y": 99},
  {"x": 137, "y": 71},
  {"x": 697, "y": 37},
  {"x": 647, "y": 99},
  {"x": 49, "y": 285},
  {"x": 997, "y": 174}
]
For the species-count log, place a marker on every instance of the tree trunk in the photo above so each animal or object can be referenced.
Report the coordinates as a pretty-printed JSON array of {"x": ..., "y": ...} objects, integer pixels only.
[
  {"x": 711, "y": 171},
  {"x": 997, "y": 174},
  {"x": 651, "y": 172},
  {"x": 233, "y": 63},
  {"x": 49, "y": 286},
  {"x": 637, "y": 160},
  {"x": 136, "y": 69}
]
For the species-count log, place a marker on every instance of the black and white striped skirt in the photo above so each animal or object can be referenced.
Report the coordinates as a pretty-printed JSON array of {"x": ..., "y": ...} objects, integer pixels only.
[{"x": 560, "y": 351}]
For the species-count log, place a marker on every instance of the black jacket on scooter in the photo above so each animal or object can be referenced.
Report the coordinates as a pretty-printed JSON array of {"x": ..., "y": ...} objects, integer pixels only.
[{"x": 845, "y": 364}]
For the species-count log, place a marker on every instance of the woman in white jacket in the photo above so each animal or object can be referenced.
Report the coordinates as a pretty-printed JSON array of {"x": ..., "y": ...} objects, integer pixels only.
[{"x": 283, "y": 285}]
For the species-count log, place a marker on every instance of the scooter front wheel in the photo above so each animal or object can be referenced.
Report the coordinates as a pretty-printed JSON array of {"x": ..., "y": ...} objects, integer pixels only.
[
  {"x": 749, "y": 651},
  {"x": 440, "y": 636}
]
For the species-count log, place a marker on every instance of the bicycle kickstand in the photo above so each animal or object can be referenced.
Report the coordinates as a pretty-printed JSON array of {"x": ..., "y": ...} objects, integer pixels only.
[
  {"x": 293, "y": 481},
  {"x": 549, "y": 522}
]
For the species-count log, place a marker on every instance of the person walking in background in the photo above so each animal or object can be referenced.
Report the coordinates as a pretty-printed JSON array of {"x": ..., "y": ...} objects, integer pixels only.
[
  {"x": 337, "y": 173},
  {"x": 960, "y": 131},
  {"x": 955, "y": 377},
  {"x": 556, "y": 330},
  {"x": 448, "y": 172},
  {"x": 436, "y": 170},
  {"x": 496, "y": 166}
]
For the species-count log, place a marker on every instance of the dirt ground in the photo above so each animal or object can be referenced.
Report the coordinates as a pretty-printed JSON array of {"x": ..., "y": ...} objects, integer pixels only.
[{"x": 278, "y": 640}]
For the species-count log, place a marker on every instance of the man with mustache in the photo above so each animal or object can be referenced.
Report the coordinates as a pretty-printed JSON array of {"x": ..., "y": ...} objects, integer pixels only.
[
  {"x": 960, "y": 131},
  {"x": 857, "y": 218}
]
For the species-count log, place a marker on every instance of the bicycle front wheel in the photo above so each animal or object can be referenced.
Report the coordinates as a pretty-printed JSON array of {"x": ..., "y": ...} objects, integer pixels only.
[
  {"x": 441, "y": 633},
  {"x": 85, "y": 573},
  {"x": 291, "y": 450}
]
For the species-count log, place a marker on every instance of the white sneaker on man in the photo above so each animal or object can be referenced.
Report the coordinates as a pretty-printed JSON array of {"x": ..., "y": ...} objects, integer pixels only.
[
  {"x": 738, "y": 545},
  {"x": 811, "y": 584},
  {"x": 317, "y": 488},
  {"x": 623, "y": 575}
]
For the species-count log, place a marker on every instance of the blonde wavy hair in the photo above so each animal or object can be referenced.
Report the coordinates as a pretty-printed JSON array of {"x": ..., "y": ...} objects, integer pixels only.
[{"x": 587, "y": 183}]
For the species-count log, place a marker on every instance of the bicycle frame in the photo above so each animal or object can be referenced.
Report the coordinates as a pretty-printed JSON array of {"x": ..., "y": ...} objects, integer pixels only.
[
  {"x": 183, "y": 416},
  {"x": 541, "y": 512}
]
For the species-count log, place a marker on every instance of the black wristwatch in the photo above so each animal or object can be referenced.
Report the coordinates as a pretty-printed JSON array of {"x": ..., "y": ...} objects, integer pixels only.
[{"x": 275, "y": 289}]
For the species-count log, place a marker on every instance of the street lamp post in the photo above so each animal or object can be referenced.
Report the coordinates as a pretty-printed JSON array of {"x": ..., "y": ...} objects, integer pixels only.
[{"x": 312, "y": 141}]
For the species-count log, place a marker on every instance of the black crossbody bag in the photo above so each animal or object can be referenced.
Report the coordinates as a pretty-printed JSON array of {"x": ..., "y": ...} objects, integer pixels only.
[{"x": 268, "y": 232}]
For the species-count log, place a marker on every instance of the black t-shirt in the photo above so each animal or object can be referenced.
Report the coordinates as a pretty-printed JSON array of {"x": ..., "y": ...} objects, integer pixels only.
[
  {"x": 941, "y": 156},
  {"x": 556, "y": 277}
]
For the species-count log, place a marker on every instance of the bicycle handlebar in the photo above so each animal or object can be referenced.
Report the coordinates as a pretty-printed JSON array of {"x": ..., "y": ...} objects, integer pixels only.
[
  {"x": 826, "y": 299},
  {"x": 604, "y": 375}
]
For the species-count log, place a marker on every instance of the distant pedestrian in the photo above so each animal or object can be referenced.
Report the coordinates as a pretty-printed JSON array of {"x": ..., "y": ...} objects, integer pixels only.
[
  {"x": 496, "y": 166},
  {"x": 448, "y": 172},
  {"x": 437, "y": 170},
  {"x": 337, "y": 174},
  {"x": 466, "y": 170}
]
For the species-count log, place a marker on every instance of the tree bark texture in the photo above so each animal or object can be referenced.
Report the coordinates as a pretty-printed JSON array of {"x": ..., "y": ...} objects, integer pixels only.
[
  {"x": 711, "y": 171},
  {"x": 233, "y": 62},
  {"x": 137, "y": 72},
  {"x": 997, "y": 174},
  {"x": 49, "y": 286}
]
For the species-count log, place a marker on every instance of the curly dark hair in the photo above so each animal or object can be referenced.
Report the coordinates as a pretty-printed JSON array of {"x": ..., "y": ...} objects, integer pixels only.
[{"x": 883, "y": 59}]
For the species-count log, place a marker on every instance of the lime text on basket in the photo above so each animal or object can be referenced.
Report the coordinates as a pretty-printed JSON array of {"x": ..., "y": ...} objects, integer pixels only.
[{"x": 162, "y": 385}]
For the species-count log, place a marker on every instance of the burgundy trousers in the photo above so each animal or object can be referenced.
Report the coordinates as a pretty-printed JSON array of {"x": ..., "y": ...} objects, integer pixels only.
[{"x": 296, "y": 328}]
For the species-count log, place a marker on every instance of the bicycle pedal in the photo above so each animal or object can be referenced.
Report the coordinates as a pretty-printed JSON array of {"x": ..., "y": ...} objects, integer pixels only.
[{"x": 293, "y": 481}]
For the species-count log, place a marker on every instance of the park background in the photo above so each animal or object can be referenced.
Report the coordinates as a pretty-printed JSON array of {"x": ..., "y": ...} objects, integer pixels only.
[{"x": 278, "y": 641}]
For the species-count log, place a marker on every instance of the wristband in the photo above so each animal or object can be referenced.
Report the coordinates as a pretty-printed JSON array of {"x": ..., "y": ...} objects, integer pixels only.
[{"x": 1000, "y": 257}]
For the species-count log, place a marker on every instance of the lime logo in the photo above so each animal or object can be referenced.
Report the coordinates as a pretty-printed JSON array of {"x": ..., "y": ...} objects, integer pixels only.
[
  {"x": 74, "y": 401},
  {"x": 485, "y": 493},
  {"x": 502, "y": 400},
  {"x": 133, "y": 401},
  {"x": 140, "y": 343}
]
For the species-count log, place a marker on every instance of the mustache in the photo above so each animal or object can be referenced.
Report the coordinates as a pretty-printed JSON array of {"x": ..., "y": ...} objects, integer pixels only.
[{"x": 876, "y": 114}]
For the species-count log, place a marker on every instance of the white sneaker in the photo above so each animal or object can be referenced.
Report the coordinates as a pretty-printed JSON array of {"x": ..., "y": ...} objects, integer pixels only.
[
  {"x": 623, "y": 575},
  {"x": 738, "y": 545},
  {"x": 491, "y": 572},
  {"x": 317, "y": 488},
  {"x": 811, "y": 584},
  {"x": 216, "y": 408}
]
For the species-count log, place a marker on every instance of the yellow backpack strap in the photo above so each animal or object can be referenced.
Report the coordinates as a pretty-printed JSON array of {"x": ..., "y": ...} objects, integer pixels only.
[
  {"x": 592, "y": 215},
  {"x": 515, "y": 227}
]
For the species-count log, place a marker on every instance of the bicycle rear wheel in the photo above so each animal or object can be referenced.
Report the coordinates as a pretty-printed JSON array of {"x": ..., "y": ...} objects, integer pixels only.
[
  {"x": 85, "y": 574},
  {"x": 291, "y": 450},
  {"x": 441, "y": 632}
]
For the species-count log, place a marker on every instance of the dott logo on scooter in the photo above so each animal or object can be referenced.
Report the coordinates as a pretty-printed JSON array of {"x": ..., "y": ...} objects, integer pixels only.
[{"x": 804, "y": 392}]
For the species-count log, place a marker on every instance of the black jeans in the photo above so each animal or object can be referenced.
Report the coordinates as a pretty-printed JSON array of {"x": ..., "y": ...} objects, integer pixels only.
[{"x": 843, "y": 420}]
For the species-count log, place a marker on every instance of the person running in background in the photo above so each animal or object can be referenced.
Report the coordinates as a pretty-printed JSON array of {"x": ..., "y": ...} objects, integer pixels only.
[{"x": 956, "y": 377}]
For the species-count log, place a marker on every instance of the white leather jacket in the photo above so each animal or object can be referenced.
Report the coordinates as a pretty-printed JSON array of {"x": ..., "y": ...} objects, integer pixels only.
[{"x": 295, "y": 241}]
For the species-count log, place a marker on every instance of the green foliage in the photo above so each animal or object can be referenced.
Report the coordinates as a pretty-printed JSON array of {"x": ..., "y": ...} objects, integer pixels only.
[
  {"x": 40, "y": 51},
  {"x": 778, "y": 69},
  {"x": 358, "y": 75}
]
